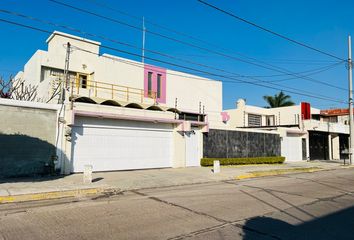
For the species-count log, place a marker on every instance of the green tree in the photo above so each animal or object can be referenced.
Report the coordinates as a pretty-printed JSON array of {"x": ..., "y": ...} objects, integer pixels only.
[{"x": 278, "y": 100}]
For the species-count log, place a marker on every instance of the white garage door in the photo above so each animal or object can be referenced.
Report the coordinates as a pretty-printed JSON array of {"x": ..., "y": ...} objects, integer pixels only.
[
  {"x": 291, "y": 148},
  {"x": 120, "y": 145}
]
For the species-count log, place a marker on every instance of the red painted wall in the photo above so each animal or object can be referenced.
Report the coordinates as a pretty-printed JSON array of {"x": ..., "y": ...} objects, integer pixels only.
[{"x": 305, "y": 111}]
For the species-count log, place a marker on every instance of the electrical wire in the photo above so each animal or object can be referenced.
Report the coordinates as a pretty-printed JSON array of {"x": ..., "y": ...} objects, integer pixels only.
[
  {"x": 193, "y": 69},
  {"x": 218, "y": 75},
  {"x": 269, "y": 31},
  {"x": 212, "y": 74},
  {"x": 164, "y": 54},
  {"x": 278, "y": 69},
  {"x": 106, "y": 6}
]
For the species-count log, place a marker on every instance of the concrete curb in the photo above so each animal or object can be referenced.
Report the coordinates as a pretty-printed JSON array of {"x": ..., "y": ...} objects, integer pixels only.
[
  {"x": 58, "y": 194},
  {"x": 257, "y": 174}
]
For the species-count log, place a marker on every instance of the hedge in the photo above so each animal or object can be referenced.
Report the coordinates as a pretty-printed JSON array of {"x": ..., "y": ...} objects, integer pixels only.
[{"x": 242, "y": 161}]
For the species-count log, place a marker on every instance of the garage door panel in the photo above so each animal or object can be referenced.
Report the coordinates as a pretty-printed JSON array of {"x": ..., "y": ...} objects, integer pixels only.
[{"x": 120, "y": 148}]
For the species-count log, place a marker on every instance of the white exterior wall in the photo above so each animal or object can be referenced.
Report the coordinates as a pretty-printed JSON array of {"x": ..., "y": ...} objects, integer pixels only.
[
  {"x": 316, "y": 125},
  {"x": 58, "y": 41},
  {"x": 286, "y": 115},
  {"x": 335, "y": 147},
  {"x": 192, "y": 92},
  {"x": 115, "y": 70},
  {"x": 282, "y": 116}
]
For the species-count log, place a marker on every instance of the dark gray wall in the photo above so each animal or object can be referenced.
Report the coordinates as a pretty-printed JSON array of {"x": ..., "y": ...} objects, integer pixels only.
[
  {"x": 27, "y": 141},
  {"x": 235, "y": 144}
]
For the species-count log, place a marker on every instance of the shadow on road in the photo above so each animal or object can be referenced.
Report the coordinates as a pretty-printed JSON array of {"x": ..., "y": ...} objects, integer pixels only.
[{"x": 338, "y": 225}]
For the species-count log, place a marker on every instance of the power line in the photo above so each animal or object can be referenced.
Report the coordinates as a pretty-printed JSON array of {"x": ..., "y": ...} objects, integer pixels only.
[
  {"x": 138, "y": 18},
  {"x": 309, "y": 72},
  {"x": 179, "y": 41},
  {"x": 273, "y": 68},
  {"x": 269, "y": 31},
  {"x": 99, "y": 3},
  {"x": 166, "y": 55},
  {"x": 213, "y": 74},
  {"x": 25, "y": 26},
  {"x": 318, "y": 96},
  {"x": 214, "y": 45}
]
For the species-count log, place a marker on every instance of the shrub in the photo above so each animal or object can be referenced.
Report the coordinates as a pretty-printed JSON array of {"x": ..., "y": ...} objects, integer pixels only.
[{"x": 242, "y": 161}]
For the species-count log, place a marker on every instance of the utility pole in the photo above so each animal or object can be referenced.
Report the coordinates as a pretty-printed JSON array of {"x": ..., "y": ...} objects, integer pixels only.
[
  {"x": 144, "y": 30},
  {"x": 351, "y": 126},
  {"x": 65, "y": 84}
]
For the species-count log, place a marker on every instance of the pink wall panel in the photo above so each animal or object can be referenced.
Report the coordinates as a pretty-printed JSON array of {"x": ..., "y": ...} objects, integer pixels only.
[{"x": 155, "y": 71}]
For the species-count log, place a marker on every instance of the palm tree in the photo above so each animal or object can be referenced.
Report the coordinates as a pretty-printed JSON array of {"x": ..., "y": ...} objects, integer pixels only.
[{"x": 278, "y": 100}]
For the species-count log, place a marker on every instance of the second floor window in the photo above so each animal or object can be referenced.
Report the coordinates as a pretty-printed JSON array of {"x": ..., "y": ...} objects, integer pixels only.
[
  {"x": 158, "y": 93},
  {"x": 83, "y": 81},
  {"x": 254, "y": 120},
  {"x": 270, "y": 120},
  {"x": 155, "y": 83},
  {"x": 150, "y": 84}
]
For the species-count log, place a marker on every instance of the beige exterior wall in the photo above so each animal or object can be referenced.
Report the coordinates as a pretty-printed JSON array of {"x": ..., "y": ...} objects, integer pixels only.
[
  {"x": 189, "y": 90},
  {"x": 282, "y": 116},
  {"x": 179, "y": 151},
  {"x": 335, "y": 147}
]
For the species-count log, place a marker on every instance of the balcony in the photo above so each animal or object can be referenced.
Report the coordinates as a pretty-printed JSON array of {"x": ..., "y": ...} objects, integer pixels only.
[
  {"x": 101, "y": 91},
  {"x": 317, "y": 125}
]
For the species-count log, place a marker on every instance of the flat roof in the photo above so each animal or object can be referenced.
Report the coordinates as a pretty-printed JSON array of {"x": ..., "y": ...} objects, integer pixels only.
[{"x": 72, "y": 37}]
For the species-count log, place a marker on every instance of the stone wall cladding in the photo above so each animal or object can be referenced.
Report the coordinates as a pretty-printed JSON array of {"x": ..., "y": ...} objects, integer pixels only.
[{"x": 235, "y": 144}]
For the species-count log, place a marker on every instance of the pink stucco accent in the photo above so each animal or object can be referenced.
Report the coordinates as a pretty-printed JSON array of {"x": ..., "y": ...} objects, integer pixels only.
[
  {"x": 155, "y": 71},
  {"x": 225, "y": 116},
  {"x": 125, "y": 117},
  {"x": 180, "y": 123}
]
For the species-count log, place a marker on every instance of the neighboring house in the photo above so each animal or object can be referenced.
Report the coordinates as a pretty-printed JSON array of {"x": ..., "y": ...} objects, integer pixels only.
[
  {"x": 123, "y": 114},
  {"x": 306, "y": 132}
]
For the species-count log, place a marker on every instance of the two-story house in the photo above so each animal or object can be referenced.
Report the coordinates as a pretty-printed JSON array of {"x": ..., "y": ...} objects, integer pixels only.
[
  {"x": 306, "y": 132},
  {"x": 122, "y": 114}
]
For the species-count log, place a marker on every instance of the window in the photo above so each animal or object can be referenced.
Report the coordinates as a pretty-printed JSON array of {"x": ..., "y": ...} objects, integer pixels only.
[
  {"x": 83, "y": 81},
  {"x": 270, "y": 120},
  {"x": 191, "y": 117},
  {"x": 55, "y": 74},
  {"x": 331, "y": 119},
  {"x": 159, "y": 85},
  {"x": 254, "y": 120},
  {"x": 155, "y": 83},
  {"x": 150, "y": 84}
]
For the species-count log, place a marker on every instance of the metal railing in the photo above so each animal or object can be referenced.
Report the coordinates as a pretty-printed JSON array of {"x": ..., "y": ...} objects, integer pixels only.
[{"x": 89, "y": 88}]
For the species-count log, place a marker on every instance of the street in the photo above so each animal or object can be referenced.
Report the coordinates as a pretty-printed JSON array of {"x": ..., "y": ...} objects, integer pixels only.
[{"x": 316, "y": 205}]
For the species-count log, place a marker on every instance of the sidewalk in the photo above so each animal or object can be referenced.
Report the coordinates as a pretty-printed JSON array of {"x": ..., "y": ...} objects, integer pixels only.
[{"x": 72, "y": 185}]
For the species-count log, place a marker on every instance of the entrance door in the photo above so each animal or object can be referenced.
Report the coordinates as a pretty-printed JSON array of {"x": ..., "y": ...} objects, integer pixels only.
[
  {"x": 192, "y": 149},
  {"x": 343, "y": 146},
  {"x": 318, "y": 145}
]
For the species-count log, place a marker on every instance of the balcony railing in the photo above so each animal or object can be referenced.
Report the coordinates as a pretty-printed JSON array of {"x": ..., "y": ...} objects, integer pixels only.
[
  {"x": 89, "y": 88},
  {"x": 317, "y": 125}
]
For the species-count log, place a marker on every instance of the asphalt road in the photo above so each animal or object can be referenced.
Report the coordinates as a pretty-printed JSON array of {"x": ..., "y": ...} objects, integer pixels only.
[{"x": 299, "y": 206}]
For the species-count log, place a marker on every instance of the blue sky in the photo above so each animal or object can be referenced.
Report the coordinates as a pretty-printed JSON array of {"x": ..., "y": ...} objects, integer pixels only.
[{"x": 322, "y": 24}]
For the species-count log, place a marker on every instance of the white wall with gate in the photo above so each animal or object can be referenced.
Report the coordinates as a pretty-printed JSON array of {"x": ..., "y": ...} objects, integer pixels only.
[
  {"x": 291, "y": 147},
  {"x": 193, "y": 141}
]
